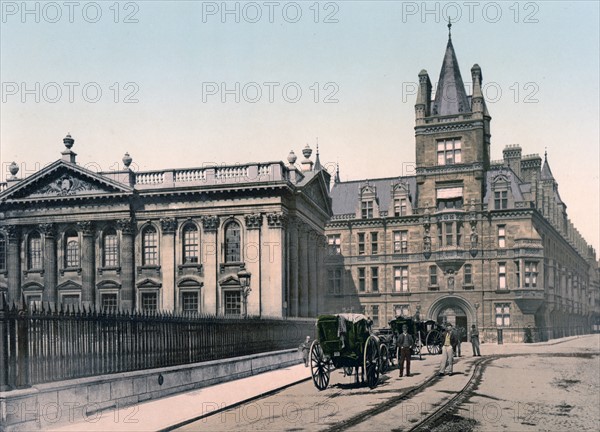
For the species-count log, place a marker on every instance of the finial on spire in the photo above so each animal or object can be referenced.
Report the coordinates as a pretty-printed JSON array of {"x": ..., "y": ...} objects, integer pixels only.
[
  {"x": 545, "y": 154},
  {"x": 449, "y": 28}
]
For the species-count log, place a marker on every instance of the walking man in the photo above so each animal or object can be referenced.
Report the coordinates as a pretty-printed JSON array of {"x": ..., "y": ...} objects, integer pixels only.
[
  {"x": 405, "y": 345},
  {"x": 450, "y": 340},
  {"x": 475, "y": 341}
]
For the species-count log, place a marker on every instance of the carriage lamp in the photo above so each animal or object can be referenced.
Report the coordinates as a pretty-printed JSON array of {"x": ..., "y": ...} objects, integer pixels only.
[{"x": 244, "y": 278}]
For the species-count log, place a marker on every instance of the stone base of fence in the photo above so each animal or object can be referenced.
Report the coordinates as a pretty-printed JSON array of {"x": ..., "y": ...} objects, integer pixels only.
[{"x": 52, "y": 404}]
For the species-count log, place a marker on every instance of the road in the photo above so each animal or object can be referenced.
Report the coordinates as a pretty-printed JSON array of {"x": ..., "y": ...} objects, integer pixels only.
[{"x": 512, "y": 387}]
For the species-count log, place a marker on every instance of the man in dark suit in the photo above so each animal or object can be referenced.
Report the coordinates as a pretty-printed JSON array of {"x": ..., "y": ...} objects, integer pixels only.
[
  {"x": 405, "y": 345},
  {"x": 449, "y": 340}
]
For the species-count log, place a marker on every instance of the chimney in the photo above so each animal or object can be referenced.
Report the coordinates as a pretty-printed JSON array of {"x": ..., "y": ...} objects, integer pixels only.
[
  {"x": 423, "y": 105},
  {"x": 512, "y": 158},
  {"x": 69, "y": 155}
]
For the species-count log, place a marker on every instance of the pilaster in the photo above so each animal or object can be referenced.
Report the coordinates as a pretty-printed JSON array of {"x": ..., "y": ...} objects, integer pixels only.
[{"x": 50, "y": 277}]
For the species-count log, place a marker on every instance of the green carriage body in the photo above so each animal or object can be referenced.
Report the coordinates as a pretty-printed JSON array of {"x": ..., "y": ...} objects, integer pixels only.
[{"x": 344, "y": 349}]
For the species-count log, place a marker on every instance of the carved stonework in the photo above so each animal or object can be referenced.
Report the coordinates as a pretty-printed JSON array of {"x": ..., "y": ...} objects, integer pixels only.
[
  {"x": 126, "y": 226},
  {"x": 47, "y": 229},
  {"x": 210, "y": 223},
  {"x": 86, "y": 227},
  {"x": 64, "y": 186},
  {"x": 254, "y": 221},
  {"x": 427, "y": 242},
  {"x": 276, "y": 220},
  {"x": 168, "y": 225},
  {"x": 12, "y": 232}
]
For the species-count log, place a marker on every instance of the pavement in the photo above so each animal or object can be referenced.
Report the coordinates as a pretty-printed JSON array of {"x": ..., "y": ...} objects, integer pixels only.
[{"x": 184, "y": 408}]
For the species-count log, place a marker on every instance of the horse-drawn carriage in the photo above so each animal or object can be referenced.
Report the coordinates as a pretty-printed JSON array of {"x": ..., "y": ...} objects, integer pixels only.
[
  {"x": 345, "y": 341},
  {"x": 425, "y": 333}
]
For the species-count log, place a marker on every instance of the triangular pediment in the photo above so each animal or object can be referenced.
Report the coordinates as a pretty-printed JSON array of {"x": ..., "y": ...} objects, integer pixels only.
[
  {"x": 69, "y": 285},
  {"x": 316, "y": 190},
  {"x": 148, "y": 283},
  {"x": 229, "y": 281},
  {"x": 63, "y": 180}
]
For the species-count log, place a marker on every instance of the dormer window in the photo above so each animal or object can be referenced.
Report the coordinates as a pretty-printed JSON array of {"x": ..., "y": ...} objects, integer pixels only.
[
  {"x": 367, "y": 209},
  {"x": 449, "y": 151}
]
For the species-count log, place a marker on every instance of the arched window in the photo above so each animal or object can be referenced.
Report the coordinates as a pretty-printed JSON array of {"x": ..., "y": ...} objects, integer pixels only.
[
  {"x": 149, "y": 246},
  {"x": 34, "y": 251},
  {"x": 190, "y": 244},
  {"x": 2, "y": 252},
  {"x": 232, "y": 242},
  {"x": 110, "y": 248},
  {"x": 71, "y": 249}
]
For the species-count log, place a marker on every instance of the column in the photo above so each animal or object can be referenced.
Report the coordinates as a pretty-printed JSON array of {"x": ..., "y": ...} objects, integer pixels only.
[
  {"x": 88, "y": 264},
  {"x": 127, "y": 229},
  {"x": 273, "y": 246},
  {"x": 167, "y": 263},
  {"x": 209, "y": 251},
  {"x": 50, "y": 277},
  {"x": 303, "y": 277},
  {"x": 293, "y": 271},
  {"x": 321, "y": 273},
  {"x": 252, "y": 257},
  {"x": 312, "y": 273},
  {"x": 13, "y": 265}
]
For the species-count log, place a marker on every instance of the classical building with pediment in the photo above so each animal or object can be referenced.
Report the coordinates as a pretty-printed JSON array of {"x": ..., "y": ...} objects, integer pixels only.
[
  {"x": 462, "y": 239},
  {"x": 213, "y": 240}
]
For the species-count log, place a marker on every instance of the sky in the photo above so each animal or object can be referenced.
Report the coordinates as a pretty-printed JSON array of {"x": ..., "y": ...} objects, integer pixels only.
[{"x": 185, "y": 84}]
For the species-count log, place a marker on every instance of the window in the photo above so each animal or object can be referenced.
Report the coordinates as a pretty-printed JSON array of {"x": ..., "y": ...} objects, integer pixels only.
[
  {"x": 190, "y": 244},
  {"x": 233, "y": 303},
  {"x": 375, "y": 279},
  {"x": 361, "y": 243},
  {"x": 502, "y": 275},
  {"x": 449, "y": 152},
  {"x": 468, "y": 274},
  {"x": 433, "y": 275},
  {"x": 232, "y": 242},
  {"x": 71, "y": 250},
  {"x": 401, "y": 279},
  {"x": 149, "y": 301},
  {"x": 500, "y": 200},
  {"x": 518, "y": 273},
  {"x": 367, "y": 209},
  {"x": 502, "y": 314},
  {"x": 449, "y": 227},
  {"x": 108, "y": 301},
  {"x": 501, "y": 236},
  {"x": 2, "y": 252},
  {"x": 149, "y": 246},
  {"x": 189, "y": 301},
  {"x": 374, "y": 243},
  {"x": 361, "y": 279},
  {"x": 401, "y": 241},
  {"x": 34, "y": 251},
  {"x": 70, "y": 299},
  {"x": 531, "y": 274},
  {"x": 402, "y": 310},
  {"x": 334, "y": 277},
  {"x": 110, "y": 249},
  {"x": 400, "y": 206},
  {"x": 334, "y": 241},
  {"x": 375, "y": 315},
  {"x": 450, "y": 203}
]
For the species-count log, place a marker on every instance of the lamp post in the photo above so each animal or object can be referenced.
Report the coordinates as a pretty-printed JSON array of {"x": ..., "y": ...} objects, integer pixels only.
[
  {"x": 476, "y": 312},
  {"x": 244, "y": 278}
]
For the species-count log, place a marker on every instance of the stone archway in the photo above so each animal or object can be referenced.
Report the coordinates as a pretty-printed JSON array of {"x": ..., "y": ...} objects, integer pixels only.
[{"x": 453, "y": 309}]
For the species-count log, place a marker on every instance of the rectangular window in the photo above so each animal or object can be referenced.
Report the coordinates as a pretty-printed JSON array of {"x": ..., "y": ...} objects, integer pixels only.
[
  {"x": 233, "y": 303},
  {"x": 70, "y": 299},
  {"x": 34, "y": 254},
  {"x": 367, "y": 209},
  {"x": 189, "y": 301},
  {"x": 500, "y": 200},
  {"x": 111, "y": 250},
  {"x": 401, "y": 279},
  {"x": 451, "y": 203},
  {"x": 149, "y": 301},
  {"x": 190, "y": 244},
  {"x": 400, "y": 206},
  {"x": 404, "y": 241},
  {"x": 361, "y": 243},
  {"x": 518, "y": 273},
  {"x": 433, "y": 275},
  {"x": 401, "y": 310},
  {"x": 109, "y": 301},
  {"x": 501, "y": 236},
  {"x": 531, "y": 274},
  {"x": 334, "y": 277},
  {"x": 502, "y": 275},
  {"x": 449, "y": 226},
  {"x": 449, "y": 152},
  {"x": 375, "y": 279},
  {"x": 375, "y": 317},
  {"x": 468, "y": 275},
  {"x": 361, "y": 279},
  {"x": 72, "y": 251},
  {"x": 397, "y": 241},
  {"x": 335, "y": 244},
  {"x": 502, "y": 314},
  {"x": 150, "y": 246},
  {"x": 374, "y": 243}
]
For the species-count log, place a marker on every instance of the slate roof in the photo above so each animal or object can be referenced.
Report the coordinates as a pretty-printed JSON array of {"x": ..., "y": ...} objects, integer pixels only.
[{"x": 450, "y": 96}]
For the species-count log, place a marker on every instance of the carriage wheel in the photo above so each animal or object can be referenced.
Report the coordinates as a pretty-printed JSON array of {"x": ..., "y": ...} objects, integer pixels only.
[
  {"x": 371, "y": 362},
  {"x": 418, "y": 346},
  {"x": 384, "y": 358},
  {"x": 433, "y": 342},
  {"x": 319, "y": 366}
]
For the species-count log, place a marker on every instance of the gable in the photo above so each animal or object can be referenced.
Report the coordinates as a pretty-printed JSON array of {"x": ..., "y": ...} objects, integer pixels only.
[
  {"x": 316, "y": 191},
  {"x": 63, "y": 180}
]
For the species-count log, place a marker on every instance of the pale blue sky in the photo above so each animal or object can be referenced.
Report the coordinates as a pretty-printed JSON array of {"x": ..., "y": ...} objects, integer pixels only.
[{"x": 372, "y": 52}]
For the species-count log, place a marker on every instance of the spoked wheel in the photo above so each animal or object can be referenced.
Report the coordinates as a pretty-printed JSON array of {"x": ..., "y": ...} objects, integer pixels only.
[
  {"x": 433, "y": 341},
  {"x": 384, "y": 358},
  {"x": 418, "y": 346},
  {"x": 319, "y": 366},
  {"x": 371, "y": 362}
]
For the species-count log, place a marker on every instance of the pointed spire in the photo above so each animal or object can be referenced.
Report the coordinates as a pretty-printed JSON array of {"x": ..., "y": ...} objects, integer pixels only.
[
  {"x": 450, "y": 96},
  {"x": 336, "y": 179},
  {"x": 449, "y": 29},
  {"x": 546, "y": 173},
  {"x": 318, "y": 166}
]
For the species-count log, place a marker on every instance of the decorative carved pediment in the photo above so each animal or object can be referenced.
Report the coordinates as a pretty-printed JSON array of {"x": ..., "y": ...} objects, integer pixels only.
[{"x": 65, "y": 185}]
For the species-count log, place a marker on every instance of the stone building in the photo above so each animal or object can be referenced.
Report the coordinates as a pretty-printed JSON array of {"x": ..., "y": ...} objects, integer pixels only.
[
  {"x": 173, "y": 239},
  {"x": 465, "y": 239}
]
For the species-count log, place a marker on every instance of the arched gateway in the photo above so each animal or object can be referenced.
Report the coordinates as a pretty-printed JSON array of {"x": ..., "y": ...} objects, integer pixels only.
[{"x": 455, "y": 310}]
